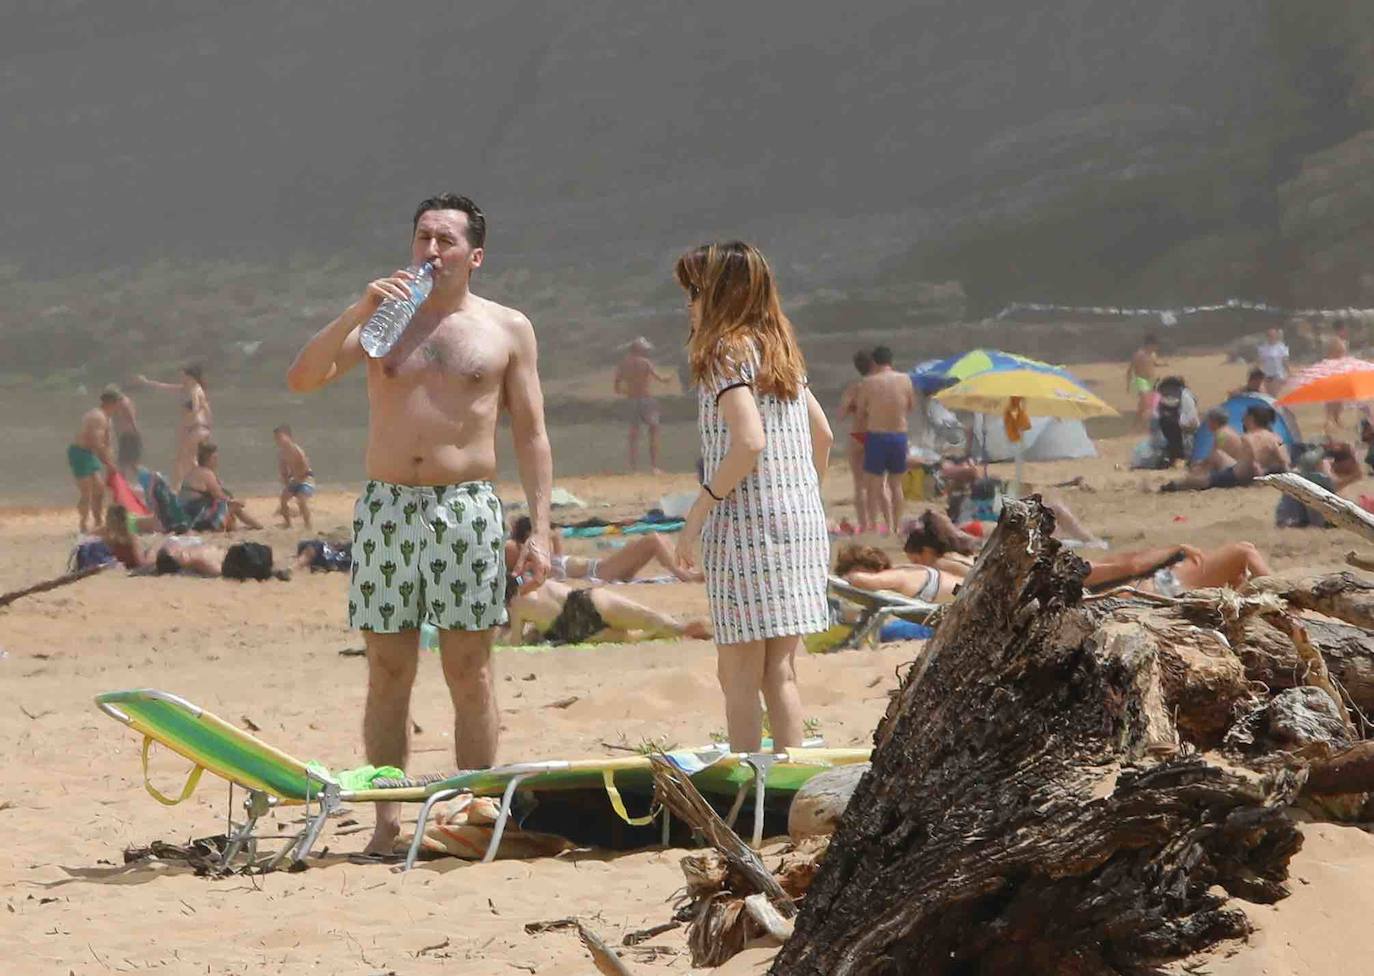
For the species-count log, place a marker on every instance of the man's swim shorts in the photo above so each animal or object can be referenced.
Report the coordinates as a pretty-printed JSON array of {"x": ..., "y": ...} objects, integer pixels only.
[
  {"x": 885, "y": 452},
  {"x": 427, "y": 552}
]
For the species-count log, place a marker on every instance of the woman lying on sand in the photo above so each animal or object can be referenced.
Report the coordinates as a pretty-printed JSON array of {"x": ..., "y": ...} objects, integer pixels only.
[
  {"x": 869, "y": 568},
  {"x": 559, "y": 614},
  {"x": 621, "y": 566},
  {"x": 1168, "y": 571}
]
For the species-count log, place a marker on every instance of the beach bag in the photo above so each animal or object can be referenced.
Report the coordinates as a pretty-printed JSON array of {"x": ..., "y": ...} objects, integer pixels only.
[
  {"x": 247, "y": 560},
  {"x": 92, "y": 553}
]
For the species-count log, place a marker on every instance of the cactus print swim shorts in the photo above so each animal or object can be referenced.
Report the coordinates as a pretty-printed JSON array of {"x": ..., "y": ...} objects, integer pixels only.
[{"x": 427, "y": 552}]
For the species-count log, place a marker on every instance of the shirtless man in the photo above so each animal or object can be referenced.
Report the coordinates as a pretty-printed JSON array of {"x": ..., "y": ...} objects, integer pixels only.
[
  {"x": 297, "y": 480},
  {"x": 1261, "y": 451},
  {"x": 1337, "y": 347},
  {"x": 884, "y": 399},
  {"x": 128, "y": 438},
  {"x": 863, "y": 362},
  {"x": 427, "y": 530},
  {"x": 634, "y": 379},
  {"x": 1141, "y": 374},
  {"x": 89, "y": 456},
  {"x": 1227, "y": 448}
]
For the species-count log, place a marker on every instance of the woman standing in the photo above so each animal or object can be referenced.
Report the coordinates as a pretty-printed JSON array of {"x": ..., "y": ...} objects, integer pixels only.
[
  {"x": 195, "y": 418},
  {"x": 759, "y": 519}
]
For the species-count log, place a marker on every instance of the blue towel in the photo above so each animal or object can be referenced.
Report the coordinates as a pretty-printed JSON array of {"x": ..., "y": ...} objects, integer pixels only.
[{"x": 900, "y": 630}]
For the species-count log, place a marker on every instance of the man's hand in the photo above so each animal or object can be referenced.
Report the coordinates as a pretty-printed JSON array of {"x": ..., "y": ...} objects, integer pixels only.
[
  {"x": 533, "y": 561},
  {"x": 394, "y": 286}
]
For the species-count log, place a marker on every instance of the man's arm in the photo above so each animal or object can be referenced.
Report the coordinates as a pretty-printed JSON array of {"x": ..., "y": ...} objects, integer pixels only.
[
  {"x": 332, "y": 351},
  {"x": 103, "y": 435},
  {"x": 619, "y": 377},
  {"x": 525, "y": 400}
]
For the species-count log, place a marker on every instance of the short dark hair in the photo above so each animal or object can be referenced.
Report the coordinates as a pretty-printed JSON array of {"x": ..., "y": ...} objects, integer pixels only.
[
  {"x": 1261, "y": 414},
  {"x": 863, "y": 361},
  {"x": 109, "y": 396},
  {"x": 204, "y": 451},
  {"x": 165, "y": 563},
  {"x": 1150, "y": 339},
  {"x": 282, "y": 429},
  {"x": 924, "y": 537},
  {"x": 477, "y": 221},
  {"x": 195, "y": 371},
  {"x": 1255, "y": 374},
  {"x": 882, "y": 356}
]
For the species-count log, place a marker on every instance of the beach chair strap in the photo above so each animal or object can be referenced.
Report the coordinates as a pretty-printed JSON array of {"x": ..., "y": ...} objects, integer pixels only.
[
  {"x": 618, "y": 804},
  {"x": 191, "y": 781}
]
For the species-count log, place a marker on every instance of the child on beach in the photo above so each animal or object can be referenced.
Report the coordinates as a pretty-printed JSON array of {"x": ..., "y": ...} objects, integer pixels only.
[{"x": 297, "y": 480}]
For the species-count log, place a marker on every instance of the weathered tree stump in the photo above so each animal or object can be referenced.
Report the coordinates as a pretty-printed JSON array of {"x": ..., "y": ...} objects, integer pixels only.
[{"x": 1037, "y": 802}]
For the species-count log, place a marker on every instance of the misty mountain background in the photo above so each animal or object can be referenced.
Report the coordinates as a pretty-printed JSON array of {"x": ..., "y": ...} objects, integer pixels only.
[{"x": 200, "y": 180}]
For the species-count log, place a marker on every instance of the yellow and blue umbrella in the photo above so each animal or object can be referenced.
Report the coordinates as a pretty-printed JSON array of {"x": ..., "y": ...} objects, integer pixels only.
[
  {"x": 1041, "y": 394},
  {"x": 936, "y": 374}
]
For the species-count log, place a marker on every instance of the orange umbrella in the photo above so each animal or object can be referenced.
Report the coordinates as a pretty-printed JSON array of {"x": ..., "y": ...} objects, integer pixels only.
[{"x": 1332, "y": 380}]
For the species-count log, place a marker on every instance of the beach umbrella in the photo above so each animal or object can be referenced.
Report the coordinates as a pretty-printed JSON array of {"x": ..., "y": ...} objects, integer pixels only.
[
  {"x": 936, "y": 374},
  {"x": 1331, "y": 380},
  {"x": 1016, "y": 394}
]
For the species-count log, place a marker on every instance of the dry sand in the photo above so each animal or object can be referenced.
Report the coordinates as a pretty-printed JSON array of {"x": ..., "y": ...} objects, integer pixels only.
[{"x": 269, "y": 654}]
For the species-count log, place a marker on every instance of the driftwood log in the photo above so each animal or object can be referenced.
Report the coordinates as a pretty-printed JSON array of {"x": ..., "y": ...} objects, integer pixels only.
[
  {"x": 1042, "y": 797},
  {"x": 1338, "y": 511},
  {"x": 51, "y": 584}
]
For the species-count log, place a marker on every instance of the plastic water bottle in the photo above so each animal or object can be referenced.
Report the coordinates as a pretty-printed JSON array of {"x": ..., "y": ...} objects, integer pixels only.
[{"x": 381, "y": 332}]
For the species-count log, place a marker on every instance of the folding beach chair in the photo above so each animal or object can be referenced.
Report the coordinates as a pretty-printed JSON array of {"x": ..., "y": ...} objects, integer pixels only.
[
  {"x": 274, "y": 778},
  {"x": 876, "y": 608}
]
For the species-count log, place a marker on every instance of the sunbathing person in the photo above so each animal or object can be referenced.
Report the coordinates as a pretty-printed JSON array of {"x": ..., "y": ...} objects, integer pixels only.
[
  {"x": 559, "y": 614},
  {"x": 197, "y": 558},
  {"x": 621, "y": 566},
  {"x": 869, "y": 568},
  {"x": 1067, "y": 526},
  {"x": 118, "y": 533},
  {"x": 204, "y": 499},
  {"x": 1169, "y": 571}
]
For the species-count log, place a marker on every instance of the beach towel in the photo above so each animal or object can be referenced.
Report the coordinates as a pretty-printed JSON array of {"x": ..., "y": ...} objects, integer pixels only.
[{"x": 122, "y": 494}]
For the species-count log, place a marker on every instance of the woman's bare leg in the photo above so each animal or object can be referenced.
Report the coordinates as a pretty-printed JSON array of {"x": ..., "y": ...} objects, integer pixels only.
[
  {"x": 1067, "y": 524},
  {"x": 626, "y": 562},
  {"x": 740, "y": 667},
  {"x": 780, "y": 693},
  {"x": 622, "y": 613},
  {"x": 856, "y": 471},
  {"x": 1228, "y": 565}
]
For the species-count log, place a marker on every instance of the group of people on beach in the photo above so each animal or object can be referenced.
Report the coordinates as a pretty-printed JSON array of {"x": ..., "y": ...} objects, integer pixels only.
[
  {"x": 430, "y": 542},
  {"x": 108, "y": 448}
]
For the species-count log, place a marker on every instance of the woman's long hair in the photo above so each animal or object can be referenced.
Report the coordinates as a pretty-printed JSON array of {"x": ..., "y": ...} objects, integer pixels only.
[{"x": 739, "y": 313}]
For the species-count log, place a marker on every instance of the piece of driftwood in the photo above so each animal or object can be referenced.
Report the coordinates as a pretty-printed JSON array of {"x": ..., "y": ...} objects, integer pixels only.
[
  {"x": 1351, "y": 771},
  {"x": 1037, "y": 802},
  {"x": 606, "y": 959},
  {"x": 1344, "y": 596},
  {"x": 1338, "y": 511},
  {"x": 819, "y": 804},
  {"x": 1360, "y": 561},
  {"x": 51, "y": 584},
  {"x": 761, "y": 910},
  {"x": 676, "y": 791}
]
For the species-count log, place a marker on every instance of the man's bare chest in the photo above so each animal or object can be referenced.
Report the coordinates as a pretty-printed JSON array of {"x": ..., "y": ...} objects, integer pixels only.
[{"x": 465, "y": 354}]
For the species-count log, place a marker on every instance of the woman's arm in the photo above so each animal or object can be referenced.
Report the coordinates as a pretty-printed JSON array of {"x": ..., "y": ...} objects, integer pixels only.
[
  {"x": 822, "y": 438},
  {"x": 154, "y": 384},
  {"x": 887, "y": 579},
  {"x": 740, "y": 411}
]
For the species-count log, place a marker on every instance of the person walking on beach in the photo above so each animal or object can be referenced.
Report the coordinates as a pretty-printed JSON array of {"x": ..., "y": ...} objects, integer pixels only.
[
  {"x": 634, "y": 378},
  {"x": 427, "y": 529},
  {"x": 195, "y": 418},
  {"x": 758, "y": 521},
  {"x": 863, "y": 362},
  {"x": 1141, "y": 373},
  {"x": 89, "y": 457},
  {"x": 297, "y": 480},
  {"x": 1272, "y": 359},
  {"x": 885, "y": 399}
]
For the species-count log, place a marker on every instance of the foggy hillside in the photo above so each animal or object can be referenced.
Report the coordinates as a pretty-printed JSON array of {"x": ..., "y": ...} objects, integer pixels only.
[{"x": 190, "y": 177}]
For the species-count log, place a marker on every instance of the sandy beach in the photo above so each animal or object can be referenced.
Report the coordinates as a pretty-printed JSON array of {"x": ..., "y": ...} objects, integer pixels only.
[{"x": 268, "y": 655}]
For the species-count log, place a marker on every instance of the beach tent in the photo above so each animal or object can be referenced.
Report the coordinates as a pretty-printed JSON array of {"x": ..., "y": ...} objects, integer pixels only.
[
  {"x": 1049, "y": 439},
  {"x": 1284, "y": 423}
]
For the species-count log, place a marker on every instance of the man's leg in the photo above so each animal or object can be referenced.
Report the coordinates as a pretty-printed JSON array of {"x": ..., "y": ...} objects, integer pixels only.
[
  {"x": 653, "y": 448},
  {"x": 284, "y": 509},
  {"x": 391, "y": 663},
  {"x": 634, "y": 446},
  {"x": 879, "y": 505},
  {"x": 97, "y": 500},
  {"x": 303, "y": 502},
  {"x": 894, "y": 487},
  {"x": 466, "y": 657},
  {"x": 83, "y": 501}
]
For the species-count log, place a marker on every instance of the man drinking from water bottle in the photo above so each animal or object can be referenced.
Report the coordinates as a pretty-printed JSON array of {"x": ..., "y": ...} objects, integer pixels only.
[{"x": 428, "y": 528}]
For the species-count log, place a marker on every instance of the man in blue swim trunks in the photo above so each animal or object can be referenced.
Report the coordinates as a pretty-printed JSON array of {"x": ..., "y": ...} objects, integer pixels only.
[
  {"x": 428, "y": 528},
  {"x": 884, "y": 400},
  {"x": 89, "y": 457}
]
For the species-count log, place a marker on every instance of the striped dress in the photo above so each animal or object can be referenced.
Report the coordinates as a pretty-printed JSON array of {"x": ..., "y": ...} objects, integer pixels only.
[{"x": 764, "y": 549}]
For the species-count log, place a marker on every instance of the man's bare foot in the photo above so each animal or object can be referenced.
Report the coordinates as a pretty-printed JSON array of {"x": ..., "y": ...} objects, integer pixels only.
[{"x": 384, "y": 837}]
